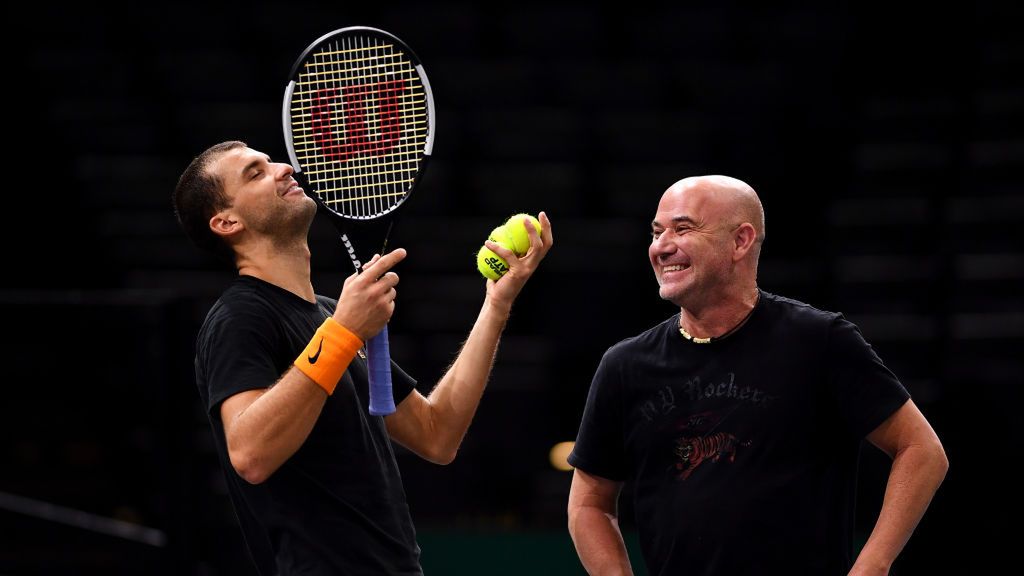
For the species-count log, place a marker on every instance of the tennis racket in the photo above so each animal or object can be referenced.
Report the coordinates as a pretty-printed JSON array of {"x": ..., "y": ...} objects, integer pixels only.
[{"x": 358, "y": 120}]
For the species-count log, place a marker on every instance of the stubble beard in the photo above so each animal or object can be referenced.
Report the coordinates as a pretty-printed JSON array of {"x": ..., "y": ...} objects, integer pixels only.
[
  {"x": 291, "y": 226},
  {"x": 696, "y": 293}
]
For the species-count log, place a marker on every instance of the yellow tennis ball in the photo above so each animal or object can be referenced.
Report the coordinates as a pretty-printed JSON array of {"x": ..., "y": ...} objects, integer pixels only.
[
  {"x": 490, "y": 264},
  {"x": 517, "y": 232},
  {"x": 501, "y": 237}
]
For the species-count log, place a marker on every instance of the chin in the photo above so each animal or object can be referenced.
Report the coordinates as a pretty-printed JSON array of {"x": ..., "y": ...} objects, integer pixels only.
[{"x": 670, "y": 293}]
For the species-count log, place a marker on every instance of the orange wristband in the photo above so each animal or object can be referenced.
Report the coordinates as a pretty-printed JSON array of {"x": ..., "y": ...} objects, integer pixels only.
[{"x": 328, "y": 354}]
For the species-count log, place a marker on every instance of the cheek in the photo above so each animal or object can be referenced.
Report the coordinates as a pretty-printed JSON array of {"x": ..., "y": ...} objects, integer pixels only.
[{"x": 715, "y": 256}]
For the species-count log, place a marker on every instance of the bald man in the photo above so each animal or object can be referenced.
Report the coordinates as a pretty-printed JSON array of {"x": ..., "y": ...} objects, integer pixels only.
[{"x": 738, "y": 421}]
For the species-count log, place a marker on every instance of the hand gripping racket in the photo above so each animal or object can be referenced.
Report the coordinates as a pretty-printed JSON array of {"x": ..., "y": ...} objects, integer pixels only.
[{"x": 359, "y": 126}]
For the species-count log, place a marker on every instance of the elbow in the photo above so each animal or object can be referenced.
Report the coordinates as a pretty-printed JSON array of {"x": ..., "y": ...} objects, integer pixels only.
[
  {"x": 581, "y": 520},
  {"x": 942, "y": 461},
  {"x": 249, "y": 466},
  {"x": 446, "y": 458},
  {"x": 570, "y": 513},
  {"x": 439, "y": 446},
  {"x": 442, "y": 456},
  {"x": 930, "y": 458},
  {"x": 936, "y": 457},
  {"x": 575, "y": 513}
]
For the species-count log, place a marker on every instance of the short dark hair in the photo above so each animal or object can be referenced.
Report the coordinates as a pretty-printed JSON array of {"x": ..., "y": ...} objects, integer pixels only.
[{"x": 199, "y": 195}]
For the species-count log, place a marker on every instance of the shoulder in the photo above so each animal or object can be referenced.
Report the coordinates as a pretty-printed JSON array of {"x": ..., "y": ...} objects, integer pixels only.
[
  {"x": 647, "y": 340},
  {"x": 788, "y": 309},
  {"x": 244, "y": 302},
  {"x": 787, "y": 322}
]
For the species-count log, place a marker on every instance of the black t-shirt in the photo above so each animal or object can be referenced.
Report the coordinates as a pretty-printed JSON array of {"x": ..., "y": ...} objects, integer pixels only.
[
  {"x": 742, "y": 453},
  {"x": 336, "y": 506}
]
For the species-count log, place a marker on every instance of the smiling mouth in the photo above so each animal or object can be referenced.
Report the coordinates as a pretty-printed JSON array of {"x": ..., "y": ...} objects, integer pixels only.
[
  {"x": 676, "y": 268},
  {"x": 293, "y": 188}
]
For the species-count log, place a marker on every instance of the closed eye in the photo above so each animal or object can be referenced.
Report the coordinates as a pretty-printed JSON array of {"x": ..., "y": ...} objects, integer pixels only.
[{"x": 678, "y": 231}]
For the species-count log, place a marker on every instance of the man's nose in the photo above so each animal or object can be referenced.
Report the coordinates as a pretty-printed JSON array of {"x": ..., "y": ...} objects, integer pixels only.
[
  {"x": 286, "y": 170},
  {"x": 661, "y": 245}
]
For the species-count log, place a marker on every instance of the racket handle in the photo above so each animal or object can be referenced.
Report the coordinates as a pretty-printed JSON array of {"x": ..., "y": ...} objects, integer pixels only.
[{"x": 382, "y": 401}]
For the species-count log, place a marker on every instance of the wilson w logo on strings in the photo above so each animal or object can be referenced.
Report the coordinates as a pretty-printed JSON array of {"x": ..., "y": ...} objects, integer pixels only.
[{"x": 372, "y": 119}]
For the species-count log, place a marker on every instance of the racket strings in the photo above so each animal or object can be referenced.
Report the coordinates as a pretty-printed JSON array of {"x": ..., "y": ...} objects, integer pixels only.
[
  {"x": 363, "y": 196},
  {"x": 415, "y": 110},
  {"x": 360, "y": 124},
  {"x": 353, "y": 72},
  {"x": 389, "y": 169},
  {"x": 365, "y": 180}
]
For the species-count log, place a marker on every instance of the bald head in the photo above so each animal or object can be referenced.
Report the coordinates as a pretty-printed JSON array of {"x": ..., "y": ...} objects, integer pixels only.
[
  {"x": 727, "y": 198},
  {"x": 706, "y": 241}
]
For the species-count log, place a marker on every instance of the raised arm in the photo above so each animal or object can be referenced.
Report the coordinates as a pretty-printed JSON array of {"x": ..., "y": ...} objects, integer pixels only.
[
  {"x": 434, "y": 426},
  {"x": 918, "y": 467}
]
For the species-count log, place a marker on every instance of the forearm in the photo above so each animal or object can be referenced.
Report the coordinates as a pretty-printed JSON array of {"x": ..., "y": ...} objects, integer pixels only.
[
  {"x": 914, "y": 478},
  {"x": 263, "y": 435},
  {"x": 598, "y": 542},
  {"x": 454, "y": 400}
]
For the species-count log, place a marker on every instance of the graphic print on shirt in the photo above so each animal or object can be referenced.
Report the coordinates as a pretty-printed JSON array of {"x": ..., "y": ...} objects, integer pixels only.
[
  {"x": 698, "y": 437},
  {"x": 667, "y": 398},
  {"x": 692, "y": 452},
  {"x": 701, "y": 443}
]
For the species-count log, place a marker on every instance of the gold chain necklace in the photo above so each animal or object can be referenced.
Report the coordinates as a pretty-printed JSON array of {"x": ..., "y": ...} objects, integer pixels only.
[{"x": 710, "y": 339}]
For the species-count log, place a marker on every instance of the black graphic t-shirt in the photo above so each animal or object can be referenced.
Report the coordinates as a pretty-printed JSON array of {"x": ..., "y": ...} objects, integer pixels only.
[
  {"x": 742, "y": 453},
  {"x": 337, "y": 506}
]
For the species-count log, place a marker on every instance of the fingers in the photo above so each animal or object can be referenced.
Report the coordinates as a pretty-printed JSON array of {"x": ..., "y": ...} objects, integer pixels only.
[
  {"x": 371, "y": 262},
  {"x": 500, "y": 250},
  {"x": 377, "y": 281},
  {"x": 381, "y": 264},
  {"x": 384, "y": 288},
  {"x": 378, "y": 267},
  {"x": 367, "y": 300},
  {"x": 390, "y": 280},
  {"x": 545, "y": 227},
  {"x": 539, "y": 243}
]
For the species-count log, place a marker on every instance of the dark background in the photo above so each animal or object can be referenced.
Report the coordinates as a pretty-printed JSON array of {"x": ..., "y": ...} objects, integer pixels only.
[{"x": 886, "y": 144}]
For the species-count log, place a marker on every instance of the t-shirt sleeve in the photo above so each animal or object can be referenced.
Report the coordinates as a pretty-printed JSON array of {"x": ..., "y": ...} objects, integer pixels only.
[
  {"x": 236, "y": 351},
  {"x": 600, "y": 448},
  {"x": 866, "y": 391},
  {"x": 401, "y": 383}
]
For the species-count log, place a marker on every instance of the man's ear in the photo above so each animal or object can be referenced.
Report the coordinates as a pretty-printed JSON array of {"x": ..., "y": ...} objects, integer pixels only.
[
  {"x": 744, "y": 237},
  {"x": 225, "y": 224}
]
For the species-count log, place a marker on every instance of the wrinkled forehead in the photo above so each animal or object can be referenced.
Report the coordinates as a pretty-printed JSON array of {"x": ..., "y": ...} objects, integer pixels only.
[{"x": 695, "y": 201}]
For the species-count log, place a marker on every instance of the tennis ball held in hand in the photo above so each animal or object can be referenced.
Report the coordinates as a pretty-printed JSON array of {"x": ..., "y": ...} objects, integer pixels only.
[
  {"x": 487, "y": 262},
  {"x": 517, "y": 232},
  {"x": 490, "y": 264}
]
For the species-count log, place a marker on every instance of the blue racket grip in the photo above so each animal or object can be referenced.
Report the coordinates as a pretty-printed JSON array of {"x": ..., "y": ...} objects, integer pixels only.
[{"x": 382, "y": 401}]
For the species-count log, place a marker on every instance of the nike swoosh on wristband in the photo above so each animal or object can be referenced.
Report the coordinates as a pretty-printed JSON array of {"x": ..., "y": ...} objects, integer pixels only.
[{"x": 315, "y": 357}]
